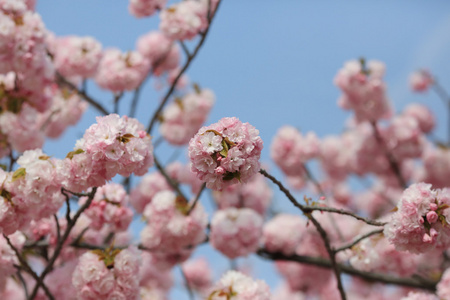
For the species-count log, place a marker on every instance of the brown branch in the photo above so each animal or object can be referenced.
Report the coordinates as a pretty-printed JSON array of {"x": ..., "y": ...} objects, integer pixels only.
[
  {"x": 319, "y": 228},
  {"x": 58, "y": 229},
  {"x": 186, "y": 65},
  {"x": 369, "y": 276},
  {"x": 356, "y": 241},
  {"x": 169, "y": 180},
  {"x": 186, "y": 284},
  {"x": 61, "y": 80},
  {"x": 344, "y": 212},
  {"x": 316, "y": 183},
  {"x": 196, "y": 198},
  {"x": 60, "y": 244},
  {"x": 393, "y": 163},
  {"x": 27, "y": 268}
]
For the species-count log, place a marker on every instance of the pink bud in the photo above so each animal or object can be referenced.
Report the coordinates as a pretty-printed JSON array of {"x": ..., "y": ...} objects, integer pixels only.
[
  {"x": 433, "y": 206},
  {"x": 432, "y": 217},
  {"x": 433, "y": 233},
  {"x": 219, "y": 170},
  {"x": 142, "y": 134},
  {"x": 427, "y": 239}
]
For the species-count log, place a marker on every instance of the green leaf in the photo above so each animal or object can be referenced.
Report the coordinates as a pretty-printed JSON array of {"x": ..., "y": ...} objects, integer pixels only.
[
  {"x": 232, "y": 175},
  {"x": 196, "y": 88},
  {"x": 3, "y": 166},
  {"x": 224, "y": 151},
  {"x": 6, "y": 195},
  {"x": 19, "y": 173},
  {"x": 125, "y": 138},
  {"x": 14, "y": 105},
  {"x": 182, "y": 205},
  {"x": 71, "y": 154}
]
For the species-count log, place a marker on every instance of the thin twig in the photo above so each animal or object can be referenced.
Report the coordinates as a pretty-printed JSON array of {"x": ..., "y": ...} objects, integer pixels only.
[
  {"x": 316, "y": 183},
  {"x": 187, "y": 285},
  {"x": 185, "y": 49},
  {"x": 12, "y": 160},
  {"x": 63, "y": 81},
  {"x": 169, "y": 180},
  {"x": 24, "y": 284},
  {"x": 27, "y": 268},
  {"x": 370, "y": 276},
  {"x": 356, "y": 241},
  {"x": 344, "y": 212},
  {"x": 186, "y": 65},
  {"x": 391, "y": 159},
  {"x": 116, "y": 101},
  {"x": 319, "y": 228},
  {"x": 196, "y": 198},
  {"x": 60, "y": 245},
  {"x": 58, "y": 229}
]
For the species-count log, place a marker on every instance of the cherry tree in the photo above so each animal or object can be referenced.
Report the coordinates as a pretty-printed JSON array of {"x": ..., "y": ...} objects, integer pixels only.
[{"x": 66, "y": 222}]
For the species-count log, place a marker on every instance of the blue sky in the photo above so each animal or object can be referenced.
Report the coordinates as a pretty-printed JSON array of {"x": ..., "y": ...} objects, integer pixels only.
[{"x": 272, "y": 63}]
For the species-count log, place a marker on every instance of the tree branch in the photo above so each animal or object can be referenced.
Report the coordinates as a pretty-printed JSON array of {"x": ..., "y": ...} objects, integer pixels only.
[
  {"x": 369, "y": 276},
  {"x": 27, "y": 268},
  {"x": 59, "y": 246},
  {"x": 196, "y": 198},
  {"x": 391, "y": 159},
  {"x": 63, "y": 81},
  {"x": 186, "y": 65},
  {"x": 319, "y": 228},
  {"x": 356, "y": 241}
]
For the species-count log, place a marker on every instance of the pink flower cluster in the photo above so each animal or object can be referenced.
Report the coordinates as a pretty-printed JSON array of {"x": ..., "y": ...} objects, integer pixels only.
[
  {"x": 290, "y": 150},
  {"x": 363, "y": 89},
  {"x": 22, "y": 130},
  {"x": 283, "y": 233},
  {"x": 155, "y": 282},
  {"x": 355, "y": 151},
  {"x": 77, "y": 56},
  {"x": 404, "y": 138},
  {"x": 104, "y": 275},
  {"x": 225, "y": 153},
  {"x": 169, "y": 228},
  {"x": 420, "y": 296},
  {"x": 443, "y": 287},
  {"x": 420, "y": 81},
  {"x": 302, "y": 241},
  {"x": 154, "y": 183},
  {"x": 109, "y": 206},
  {"x": 66, "y": 110},
  {"x": 377, "y": 254},
  {"x": 422, "y": 115},
  {"x": 115, "y": 145},
  {"x": 31, "y": 192},
  {"x": 236, "y": 232},
  {"x": 284, "y": 292},
  {"x": 183, "y": 118},
  {"x": 120, "y": 72},
  {"x": 255, "y": 194},
  {"x": 145, "y": 8},
  {"x": 235, "y": 285},
  {"x": 22, "y": 44},
  {"x": 420, "y": 223},
  {"x": 198, "y": 274},
  {"x": 148, "y": 187},
  {"x": 436, "y": 166},
  {"x": 184, "y": 20},
  {"x": 161, "y": 51}
]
